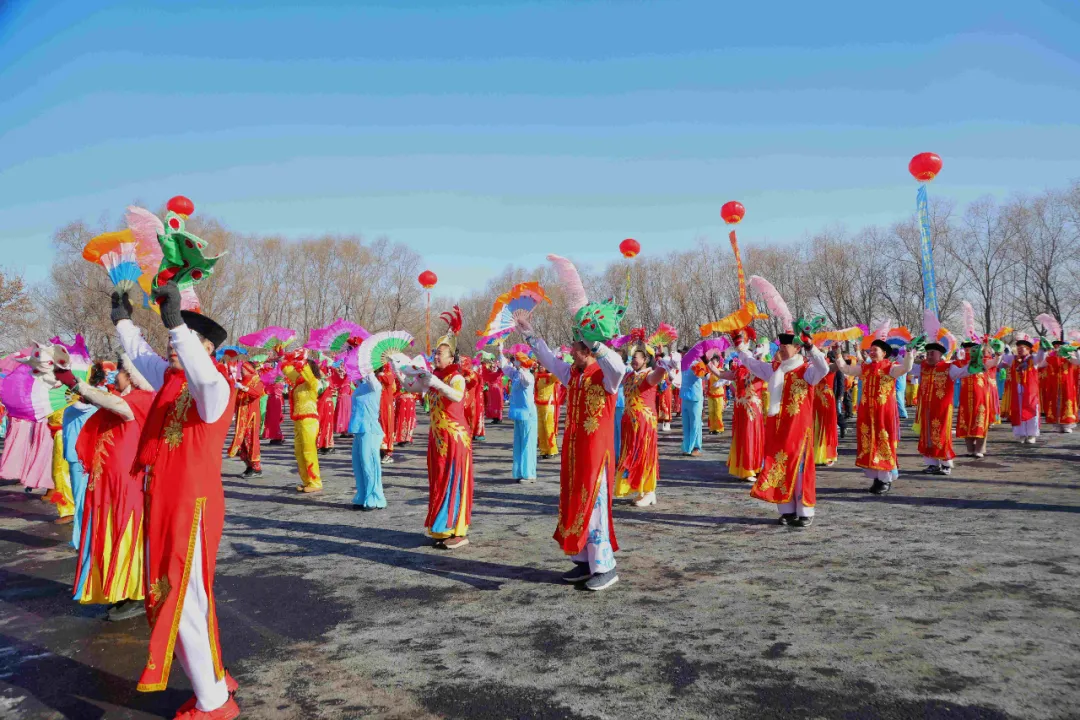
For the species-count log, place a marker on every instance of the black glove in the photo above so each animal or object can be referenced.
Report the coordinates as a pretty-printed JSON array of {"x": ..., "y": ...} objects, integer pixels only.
[
  {"x": 167, "y": 297},
  {"x": 121, "y": 307},
  {"x": 66, "y": 377}
]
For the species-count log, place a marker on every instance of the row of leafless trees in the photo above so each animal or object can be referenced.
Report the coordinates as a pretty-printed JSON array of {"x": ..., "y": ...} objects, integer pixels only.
[{"x": 1011, "y": 260}]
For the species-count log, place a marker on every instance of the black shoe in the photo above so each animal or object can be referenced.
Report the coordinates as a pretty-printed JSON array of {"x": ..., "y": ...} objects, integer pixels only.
[
  {"x": 126, "y": 610},
  {"x": 580, "y": 573},
  {"x": 803, "y": 522},
  {"x": 277, "y": 442},
  {"x": 787, "y": 519},
  {"x": 251, "y": 472},
  {"x": 881, "y": 488},
  {"x": 933, "y": 470}
]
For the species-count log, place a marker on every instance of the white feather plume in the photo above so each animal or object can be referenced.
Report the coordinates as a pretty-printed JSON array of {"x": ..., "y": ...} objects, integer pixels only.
[
  {"x": 1052, "y": 326},
  {"x": 881, "y": 330},
  {"x": 1073, "y": 336},
  {"x": 931, "y": 325},
  {"x": 775, "y": 302},
  {"x": 571, "y": 283}
]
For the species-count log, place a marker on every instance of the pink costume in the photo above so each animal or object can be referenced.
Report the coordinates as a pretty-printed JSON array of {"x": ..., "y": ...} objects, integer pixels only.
[
  {"x": 344, "y": 408},
  {"x": 16, "y": 449},
  {"x": 37, "y": 468}
]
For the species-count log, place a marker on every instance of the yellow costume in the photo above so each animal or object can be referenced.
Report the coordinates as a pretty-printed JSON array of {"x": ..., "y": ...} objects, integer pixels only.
[
  {"x": 547, "y": 432},
  {"x": 716, "y": 404},
  {"x": 63, "y": 496},
  {"x": 304, "y": 407}
]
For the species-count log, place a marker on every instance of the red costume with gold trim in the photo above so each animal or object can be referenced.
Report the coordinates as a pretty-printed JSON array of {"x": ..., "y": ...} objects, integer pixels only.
[
  {"x": 936, "y": 392},
  {"x": 878, "y": 418},
  {"x": 639, "y": 463},
  {"x": 1022, "y": 373},
  {"x": 449, "y": 461},
  {"x": 328, "y": 409},
  {"x": 825, "y": 427},
  {"x": 474, "y": 399},
  {"x": 248, "y": 418},
  {"x": 404, "y": 417},
  {"x": 183, "y": 453},
  {"x": 1061, "y": 390},
  {"x": 789, "y": 441},
  {"x": 387, "y": 402},
  {"x": 588, "y": 457},
  {"x": 978, "y": 394},
  {"x": 747, "y": 453}
]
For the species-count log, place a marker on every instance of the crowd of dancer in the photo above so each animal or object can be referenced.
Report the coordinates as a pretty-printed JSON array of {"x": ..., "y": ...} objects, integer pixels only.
[{"x": 134, "y": 462}]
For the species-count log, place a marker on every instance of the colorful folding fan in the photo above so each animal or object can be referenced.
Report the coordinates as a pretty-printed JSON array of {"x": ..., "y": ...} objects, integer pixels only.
[
  {"x": 697, "y": 352},
  {"x": 335, "y": 337},
  {"x": 375, "y": 351},
  {"x": 269, "y": 338},
  {"x": 523, "y": 297},
  {"x": 665, "y": 335}
]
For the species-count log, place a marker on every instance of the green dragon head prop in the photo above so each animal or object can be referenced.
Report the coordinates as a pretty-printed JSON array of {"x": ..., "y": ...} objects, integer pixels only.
[
  {"x": 183, "y": 254},
  {"x": 806, "y": 328},
  {"x": 598, "y": 321}
]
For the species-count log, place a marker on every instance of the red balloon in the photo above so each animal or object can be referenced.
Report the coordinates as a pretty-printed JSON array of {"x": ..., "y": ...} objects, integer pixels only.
[
  {"x": 428, "y": 279},
  {"x": 629, "y": 247},
  {"x": 924, "y": 167},
  {"x": 732, "y": 212},
  {"x": 181, "y": 205}
]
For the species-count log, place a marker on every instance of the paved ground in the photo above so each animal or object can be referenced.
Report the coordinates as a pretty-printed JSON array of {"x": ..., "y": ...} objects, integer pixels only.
[{"x": 953, "y": 597}]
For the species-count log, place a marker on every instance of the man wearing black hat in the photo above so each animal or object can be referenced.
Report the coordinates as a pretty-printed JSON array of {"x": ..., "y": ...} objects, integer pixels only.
[
  {"x": 788, "y": 478},
  {"x": 977, "y": 389},
  {"x": 1022, "y": 388},
  {"x": 1061, "y": 391},
  {"x": 877, "y": 421},
  {"x": 937, "y": 387},
  {"x": 180, "y": 448}
]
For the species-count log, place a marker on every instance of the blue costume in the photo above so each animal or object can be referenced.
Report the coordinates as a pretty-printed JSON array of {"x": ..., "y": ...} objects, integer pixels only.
[
  {"x": 523, "y": 413},
  {"x": 693, "y": 399},
  {"x": 74, "y": 419},
  {"x": 620, "y": 403},
  {"x": 367, "y": 439},
  {"x": 901, "y": 396}
]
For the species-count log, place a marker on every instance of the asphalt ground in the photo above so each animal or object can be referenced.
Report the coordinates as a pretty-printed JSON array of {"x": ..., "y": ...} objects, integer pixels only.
[{"x": 952, "y": 597}]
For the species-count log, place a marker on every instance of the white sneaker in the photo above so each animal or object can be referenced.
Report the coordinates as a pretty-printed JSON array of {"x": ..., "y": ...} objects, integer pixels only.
[
  {"x": 752, "y": 479},
  {"x": 646, "y": 500},
  {"x": 1068, "y": 429},
  {"x": 979, "y": 456}
]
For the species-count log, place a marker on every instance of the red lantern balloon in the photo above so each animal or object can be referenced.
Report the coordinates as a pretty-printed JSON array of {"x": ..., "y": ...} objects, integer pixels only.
[
  {"x": 428, "y": 279},
  {"x": 629, "y": 247},
  {"x": 181, "y": 206},
  {"x": 732, "y": 212},
  {"x": 924, "y": 167}
]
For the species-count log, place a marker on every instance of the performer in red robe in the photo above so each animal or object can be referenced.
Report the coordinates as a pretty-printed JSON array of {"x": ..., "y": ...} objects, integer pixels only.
[
  {"x": 494, "y": 395},
  {"x": 1022, "y": 390},
  {"x": 343, "y": 406},
  {"x": 787, "y": 477},
  {"x": 181, "y": 448},
  {"x": 474, "y": 399},
  {"x": 825, "y": 418},
  {"x": 111, "y": 544},
  {"x": 248, "y": 420},
  {"x": 585, "y": 530},
  {"x": 326, "y": 409},
  {"x": 404, "y": 418},
  {"x": 664, "y": 395},
  {"x": 387, "y": 402},
  {"x": 978, "y": 398},
  {"x": 747, "y": 451},
  {"x": 638, "y": 468},
  {"x": 449, "y": 451},
  {"x": 878, "y": 418},
  {"x": 1061, "y": 390},
  {"x": 275, "y": 411},
  {"x": 937, "y": 388}
]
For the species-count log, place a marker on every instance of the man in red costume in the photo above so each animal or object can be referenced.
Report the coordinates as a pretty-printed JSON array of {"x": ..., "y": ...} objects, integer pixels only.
[
  {"x": 1022, "y": 389},
  {"x": 787, "y": 477},
  {"x": 937, "y": 387},
  {"x": 585, "y": 530},
  {"x": 387, "y": 402},
  {"x": 327, "y": 409},
  {"x": 492, "y": 375},
  {"x": 275, "y": 411},
  {"x": 180, "y": 451},
  {"x": 248, "y": 420},
  {"x": 1061, "y": 390}
]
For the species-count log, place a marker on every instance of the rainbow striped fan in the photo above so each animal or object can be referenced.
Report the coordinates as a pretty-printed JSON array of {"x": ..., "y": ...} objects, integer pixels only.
[
  {"x": 522, "y": 298},
  {"x": 335, "y": 337},
  {"x": 665, "y": 335},
  {"x": 375, "y": 351},
  {"x": 268, "y": 338}
]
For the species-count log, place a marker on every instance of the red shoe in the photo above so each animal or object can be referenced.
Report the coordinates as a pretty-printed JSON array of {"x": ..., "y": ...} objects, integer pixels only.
[
  {"x": 228, "y": 711},
  {"x": 230, "y": 684}
]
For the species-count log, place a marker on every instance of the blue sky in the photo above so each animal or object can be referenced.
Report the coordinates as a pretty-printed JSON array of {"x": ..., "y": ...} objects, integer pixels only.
[{"x": 495, "y": 132}]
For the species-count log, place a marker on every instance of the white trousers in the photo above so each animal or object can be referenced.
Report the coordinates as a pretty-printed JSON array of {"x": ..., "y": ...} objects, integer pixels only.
[
  {"x": 1029, "y": 428},
  {"x": 885, "y": 476},
  {"x": 796, "y": 505},
  {"x": 597, "y": 551},
  {"x": 193, "y": 641},
  {"x": 934, "y": 462}
]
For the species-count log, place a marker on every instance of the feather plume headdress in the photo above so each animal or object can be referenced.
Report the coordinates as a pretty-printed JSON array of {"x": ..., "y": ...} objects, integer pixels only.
[
  {"x": 1050, "y": 325},
  {"x": 593, "y": 322},
  {"x": 452, "y": 318}
]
